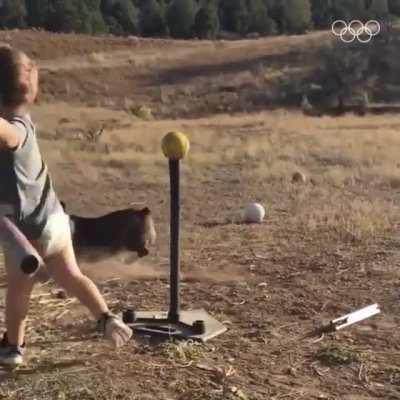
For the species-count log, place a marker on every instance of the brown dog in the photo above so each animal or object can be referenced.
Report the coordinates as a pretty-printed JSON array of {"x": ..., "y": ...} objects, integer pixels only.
[{"x": 127, "y": 229}]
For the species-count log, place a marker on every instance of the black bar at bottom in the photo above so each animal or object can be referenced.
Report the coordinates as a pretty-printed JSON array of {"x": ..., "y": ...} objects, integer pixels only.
[{"x": 174, "y": 173}]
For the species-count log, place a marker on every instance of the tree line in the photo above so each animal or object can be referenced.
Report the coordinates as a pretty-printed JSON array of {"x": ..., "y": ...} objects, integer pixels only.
[{"x": 205, "y": 19}]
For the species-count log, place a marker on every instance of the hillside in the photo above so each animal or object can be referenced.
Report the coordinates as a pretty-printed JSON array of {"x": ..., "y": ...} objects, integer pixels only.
[
  {"x": 171, "y": 77},
  {"x": 198, "y": 78}
]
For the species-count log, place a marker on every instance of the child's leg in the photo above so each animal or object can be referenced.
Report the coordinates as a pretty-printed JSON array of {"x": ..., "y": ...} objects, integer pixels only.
[
  {"x": 57, "y": 251},
  {"x": 55, "y": 247},
  {"x": 64, "y": 270},
  {"x": 17, "y": 302}
]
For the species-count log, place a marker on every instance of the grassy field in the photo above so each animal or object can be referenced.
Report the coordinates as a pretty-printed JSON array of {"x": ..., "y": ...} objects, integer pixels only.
[{"x": 328, "y": 246}]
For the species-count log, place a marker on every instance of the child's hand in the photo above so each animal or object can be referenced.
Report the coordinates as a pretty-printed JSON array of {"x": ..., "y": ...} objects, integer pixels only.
[{"x": 29, "y": 79}]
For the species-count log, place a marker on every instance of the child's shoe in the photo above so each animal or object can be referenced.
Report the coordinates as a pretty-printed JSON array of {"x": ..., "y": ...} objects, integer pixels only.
[
  {"x": 11, "y": 355},
  {"x": 114, "y": 329}
]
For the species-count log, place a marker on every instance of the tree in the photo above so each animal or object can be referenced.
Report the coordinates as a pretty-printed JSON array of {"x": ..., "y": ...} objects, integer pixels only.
[
  {"x": 68, "y": 16},
  {"x": 206, "y": 24},
  {"x": 276, "y": 10},
  {"x": 322, "y": 13},
  {"x": 297, "y": 14},
  {"x": 106, "y": 7},
  {"x": 98, "y": 24},
  {"x": 180, "y": 18},
  {"x": 394, "y": 7},
  {"x": 75, "y": 16},
  {"x": 348, "y": 10},
  {"x": 234, "y": 16},
  {"x": 127, "y": 16},
  {"x": 378, "y": 8},
  {"x": 152, "y": 18},
  {"x": 38, "y": 12},
  {"x": 12, "y": 13},
  {"x": 113, "y": 25},
  {"x": 259, "y": 20},
  {"x": 96, "y": 17},
  {"x": 183, "y": 18}
]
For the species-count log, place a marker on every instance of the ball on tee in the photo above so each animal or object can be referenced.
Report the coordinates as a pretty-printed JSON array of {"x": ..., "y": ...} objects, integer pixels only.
[
  {"x": 254, "y": 213},
  {"x": 175, "y": 145}
]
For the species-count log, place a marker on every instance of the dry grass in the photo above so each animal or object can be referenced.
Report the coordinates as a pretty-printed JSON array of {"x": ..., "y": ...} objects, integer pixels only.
[
  {"x": 336, "y": 155},
  {"x": 98, "y": 58},
  {"x": 332, "y": 355},
  {"x": 184, "y": 353},
  {"x": 361, "y": 220}
]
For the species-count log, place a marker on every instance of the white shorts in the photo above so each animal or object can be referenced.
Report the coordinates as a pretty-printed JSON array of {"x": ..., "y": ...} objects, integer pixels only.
[{"x": 56, "y": 234}]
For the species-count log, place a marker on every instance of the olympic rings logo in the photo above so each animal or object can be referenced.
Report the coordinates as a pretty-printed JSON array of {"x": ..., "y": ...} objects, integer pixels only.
[{"x": 348, "y": 33}]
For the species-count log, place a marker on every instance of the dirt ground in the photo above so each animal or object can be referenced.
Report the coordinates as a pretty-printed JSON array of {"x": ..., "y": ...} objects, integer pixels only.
[{"x": 328, "y": 246}]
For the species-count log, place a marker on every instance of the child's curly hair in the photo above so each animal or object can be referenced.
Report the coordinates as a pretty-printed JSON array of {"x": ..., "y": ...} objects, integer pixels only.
[{"x": 12, "y": 91}]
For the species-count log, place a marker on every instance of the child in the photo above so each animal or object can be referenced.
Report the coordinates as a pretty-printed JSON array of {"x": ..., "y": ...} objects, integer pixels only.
[{"x": 28, "y": 198}]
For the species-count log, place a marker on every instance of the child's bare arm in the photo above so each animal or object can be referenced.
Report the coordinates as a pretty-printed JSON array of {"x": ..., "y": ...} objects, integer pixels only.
[{"x": 10, "y": 138}]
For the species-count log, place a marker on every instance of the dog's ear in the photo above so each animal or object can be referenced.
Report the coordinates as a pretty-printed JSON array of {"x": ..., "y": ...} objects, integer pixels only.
[
  {"x": 63, "y": 205},
  {"x": 145, "y": 211}
]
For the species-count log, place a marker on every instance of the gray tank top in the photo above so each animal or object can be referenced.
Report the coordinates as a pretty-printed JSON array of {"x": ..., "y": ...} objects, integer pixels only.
[{"x": 25, "y": 182}]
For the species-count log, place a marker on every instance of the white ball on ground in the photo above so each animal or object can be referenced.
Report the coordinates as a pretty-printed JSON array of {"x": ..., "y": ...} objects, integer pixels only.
[{"x": 254, "y": 213}]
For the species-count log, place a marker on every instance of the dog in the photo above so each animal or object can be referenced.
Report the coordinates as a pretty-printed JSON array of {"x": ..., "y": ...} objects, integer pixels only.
[{"x": 123, "y": 230}]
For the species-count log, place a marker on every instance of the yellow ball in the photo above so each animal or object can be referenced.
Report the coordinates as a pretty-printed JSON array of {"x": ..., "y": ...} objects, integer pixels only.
[{"x": 175, "y": 145}]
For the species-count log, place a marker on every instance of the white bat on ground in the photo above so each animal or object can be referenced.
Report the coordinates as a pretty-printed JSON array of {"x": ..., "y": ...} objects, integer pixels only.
[{"x": 350, "y": 319}]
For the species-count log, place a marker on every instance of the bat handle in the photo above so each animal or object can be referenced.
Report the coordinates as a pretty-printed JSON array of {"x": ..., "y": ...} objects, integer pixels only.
[{"x": 21, "y": 251}]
